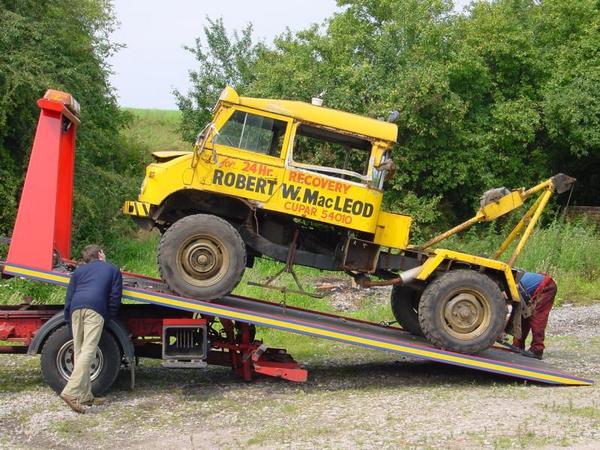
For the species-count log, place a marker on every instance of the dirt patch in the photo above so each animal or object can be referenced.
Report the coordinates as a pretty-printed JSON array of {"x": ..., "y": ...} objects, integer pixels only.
[
  {"x": 345, "y": 296},
  {"x": 580, "y": 322}
]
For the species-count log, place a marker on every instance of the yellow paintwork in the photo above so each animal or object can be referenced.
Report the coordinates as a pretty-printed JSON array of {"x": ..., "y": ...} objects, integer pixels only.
[
  {"x": 440, "y": 255},
  {"x": 139, "y": 209},
  {"x": 491, "y": 211},
  {"x": 392, "y": 230},
  {"x": 277, "y": 183},
  {"x": 503, "y": 206},
  {"x": 516, "y": 231},
  {"x": 171, "y": 153},
  {"x": 308, "y": 113}
]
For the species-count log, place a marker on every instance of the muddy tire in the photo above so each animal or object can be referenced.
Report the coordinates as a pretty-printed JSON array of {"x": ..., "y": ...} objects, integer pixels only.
[
  {"x": 57, "y": 361},
  {"x": 201, "y": 256},
  {"x": 405, "y": 307},
  {"x": 462, "y": 311}
]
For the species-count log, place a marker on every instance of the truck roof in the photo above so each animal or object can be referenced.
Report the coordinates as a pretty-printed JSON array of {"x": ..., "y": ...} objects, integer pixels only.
[{"x": 319, "y": 115}]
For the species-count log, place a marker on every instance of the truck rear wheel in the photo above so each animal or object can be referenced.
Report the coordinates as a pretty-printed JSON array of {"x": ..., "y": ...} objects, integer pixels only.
[
  {"x": 201, "y": 256},
  {"x": 462, "y": 311},
  {"x": 405, "y": 307},
  {"x": 57, "y": 361}
]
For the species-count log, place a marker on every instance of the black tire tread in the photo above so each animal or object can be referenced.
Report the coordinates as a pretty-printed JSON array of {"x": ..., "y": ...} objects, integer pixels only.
[
  {"x": 183, "y": 222},
  {"x": 110, "y": 349},
  {"x": 402, "y": 302}
]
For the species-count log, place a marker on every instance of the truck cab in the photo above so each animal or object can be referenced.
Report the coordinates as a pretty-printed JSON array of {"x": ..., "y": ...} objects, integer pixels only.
[
  {"x": 288, "y": 157},
  {"x": 283, "y": 174}
]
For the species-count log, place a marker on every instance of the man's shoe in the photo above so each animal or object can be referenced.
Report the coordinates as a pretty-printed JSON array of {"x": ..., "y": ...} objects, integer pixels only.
[
  {"x": 73, "y": 404},
  {"x": 536, "y": 353},
  {"x": 96, "y": 401}
]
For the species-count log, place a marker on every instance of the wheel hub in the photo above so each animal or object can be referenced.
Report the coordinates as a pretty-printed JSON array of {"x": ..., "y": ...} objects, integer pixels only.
[
  {"x": 65, "y": 361},
  {"x": 465, "y": 315},
  {"x": 203, "y": 260}
]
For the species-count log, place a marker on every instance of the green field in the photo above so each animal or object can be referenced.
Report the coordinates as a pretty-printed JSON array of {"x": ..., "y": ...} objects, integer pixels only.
[{"x": 155, "y": 129}]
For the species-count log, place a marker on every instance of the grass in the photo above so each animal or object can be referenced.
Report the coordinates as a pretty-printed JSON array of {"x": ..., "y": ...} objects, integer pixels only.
[
  {"x": 365, "y": 403},
  {"x": 522, "y": 439},
  {"x": 155, "y": 129},
  {"x": 568, "y": 251},
  {"x": 571, "y": 252},
  {"x": 591, "y": 412}
]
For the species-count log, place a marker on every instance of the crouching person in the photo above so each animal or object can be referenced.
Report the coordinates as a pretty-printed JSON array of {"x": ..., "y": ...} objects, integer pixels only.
[
  {"x": 93, "y": 298},
  {"x": 538, "y": 290}
]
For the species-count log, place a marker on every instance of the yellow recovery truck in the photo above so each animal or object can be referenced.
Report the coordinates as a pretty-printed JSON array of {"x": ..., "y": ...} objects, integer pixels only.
[{"x": 303, "y": 184}]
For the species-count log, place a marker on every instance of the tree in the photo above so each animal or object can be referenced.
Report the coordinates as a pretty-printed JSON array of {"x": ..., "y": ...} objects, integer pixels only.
[
  {"x": 223, "y": 60},
  {"x": 64, "y": 45},
  {"x": 571, "y": 107},
  {"x": 503, "y": 95}
]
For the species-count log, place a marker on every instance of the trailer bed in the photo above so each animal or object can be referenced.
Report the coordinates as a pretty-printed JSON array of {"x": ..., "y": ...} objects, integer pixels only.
[{"x": 313, "y": 323}]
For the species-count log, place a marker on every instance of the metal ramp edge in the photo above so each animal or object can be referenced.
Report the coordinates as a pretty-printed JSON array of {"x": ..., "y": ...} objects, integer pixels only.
[{"x": 336, "y": 328}]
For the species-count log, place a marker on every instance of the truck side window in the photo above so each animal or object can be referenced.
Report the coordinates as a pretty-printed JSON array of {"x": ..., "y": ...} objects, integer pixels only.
[
  {"x": 379, "y": 175},
  {"x": 252, "y": 132},
  {"x": 342, "y": 155}
]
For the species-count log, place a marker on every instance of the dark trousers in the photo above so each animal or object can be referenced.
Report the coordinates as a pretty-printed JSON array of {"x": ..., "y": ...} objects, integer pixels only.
[{"x": 536, "y": 323}]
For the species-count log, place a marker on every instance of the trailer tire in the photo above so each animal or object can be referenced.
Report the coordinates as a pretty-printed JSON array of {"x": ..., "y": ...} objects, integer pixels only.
[
  {"x": 462, "y": 311},
  {"x": 55, "y": 360},
  {"x": 201, "y": 256},
  {"x": 405, "y": 307}
]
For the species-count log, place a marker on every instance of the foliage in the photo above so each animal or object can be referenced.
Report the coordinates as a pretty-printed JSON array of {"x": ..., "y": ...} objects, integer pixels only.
[
  {"x": 425, "y": 213},
  {"x": 571, "y": 106},
  {"x": 569, "y": 251},
  {"x": 64, "y": 45},
  {"x": 503, "y": 95},
  {"x": 222, "y": 60}
]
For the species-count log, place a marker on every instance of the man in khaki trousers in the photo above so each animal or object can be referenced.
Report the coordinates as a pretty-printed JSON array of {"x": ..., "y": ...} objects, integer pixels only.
[{"x": 93, "y": 298}]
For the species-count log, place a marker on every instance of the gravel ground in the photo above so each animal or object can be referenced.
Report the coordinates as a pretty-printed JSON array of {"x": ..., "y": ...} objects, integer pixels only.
[
  {"x": 581, "y": 322},
  {"x": 354, "y": 398}
]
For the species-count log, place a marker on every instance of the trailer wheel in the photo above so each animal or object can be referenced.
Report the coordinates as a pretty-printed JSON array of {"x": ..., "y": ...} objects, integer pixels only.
[
  {"x": 462, "y": 311},
  {"x": 57, "y": 361},
  {"x": 405, "y": 307},
  {"x": 202, "y": 256}
]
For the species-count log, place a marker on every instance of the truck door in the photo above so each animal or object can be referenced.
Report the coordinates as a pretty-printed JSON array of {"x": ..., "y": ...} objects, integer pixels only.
[
  {"x": 248, "y": 146},
  {"x": 327, "y": 178}
]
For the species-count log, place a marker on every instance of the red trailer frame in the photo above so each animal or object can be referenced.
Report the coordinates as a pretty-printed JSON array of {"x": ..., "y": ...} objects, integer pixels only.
[{"x": 232, "y": 344}]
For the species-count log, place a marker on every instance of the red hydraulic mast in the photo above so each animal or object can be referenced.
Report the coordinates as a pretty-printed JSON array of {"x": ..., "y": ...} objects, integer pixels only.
[{"x": 43, "y": 224}]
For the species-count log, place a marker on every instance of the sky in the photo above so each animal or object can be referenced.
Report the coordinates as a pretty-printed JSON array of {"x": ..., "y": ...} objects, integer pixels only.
[{"x": 154, "y": 62}]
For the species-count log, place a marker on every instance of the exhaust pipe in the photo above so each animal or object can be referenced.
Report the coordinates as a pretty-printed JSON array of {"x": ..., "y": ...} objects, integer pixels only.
[{"x": 405, "y": 277}]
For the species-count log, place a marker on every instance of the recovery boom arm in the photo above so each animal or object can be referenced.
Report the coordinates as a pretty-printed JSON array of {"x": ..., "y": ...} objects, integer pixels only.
[{"x": 499, "y": 202}]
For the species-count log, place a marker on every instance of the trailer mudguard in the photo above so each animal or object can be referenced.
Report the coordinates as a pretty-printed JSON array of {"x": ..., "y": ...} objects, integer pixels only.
[{"x": 116, "y": 327}]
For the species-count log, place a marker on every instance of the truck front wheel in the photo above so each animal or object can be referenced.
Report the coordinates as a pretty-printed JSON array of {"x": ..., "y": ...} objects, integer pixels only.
[
  {"x": 462, "y": 311},
  {"x": 201, "y": 256},
  {"x": 57, "y": 361}
]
